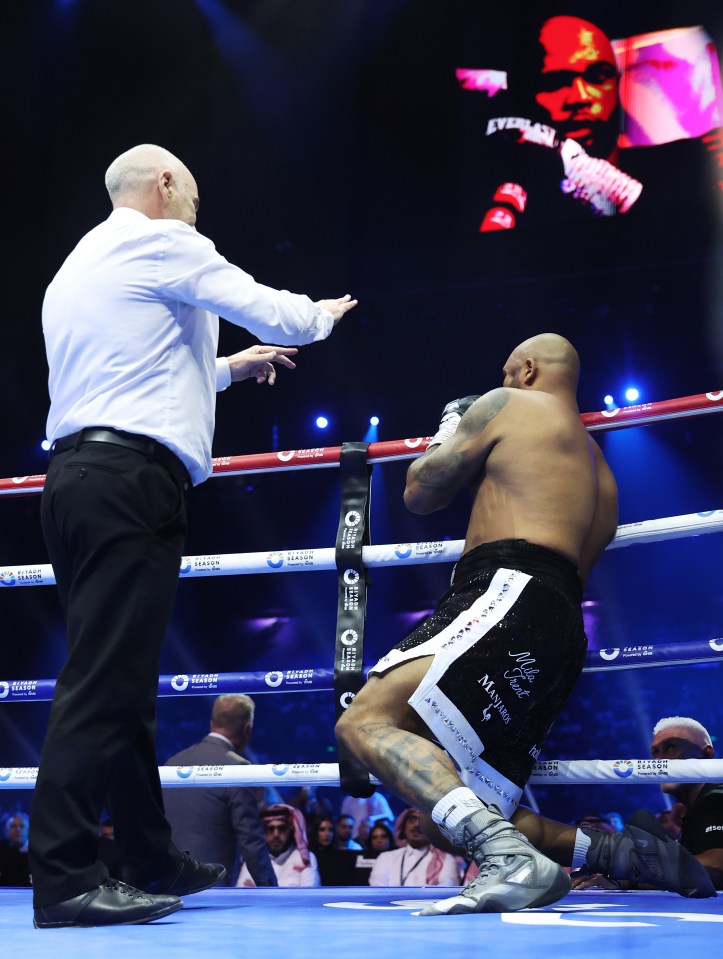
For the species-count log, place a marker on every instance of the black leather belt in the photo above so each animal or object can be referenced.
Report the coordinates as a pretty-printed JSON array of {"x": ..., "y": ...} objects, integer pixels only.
[{"x": 130, "y": 441}]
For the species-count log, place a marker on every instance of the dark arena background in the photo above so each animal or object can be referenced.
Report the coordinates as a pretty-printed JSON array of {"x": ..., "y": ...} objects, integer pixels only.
[{"x": 398, "y": 150}]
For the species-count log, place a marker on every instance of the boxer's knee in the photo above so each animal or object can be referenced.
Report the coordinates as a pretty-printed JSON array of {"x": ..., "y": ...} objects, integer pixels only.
[{"x": 364, "y": 711}]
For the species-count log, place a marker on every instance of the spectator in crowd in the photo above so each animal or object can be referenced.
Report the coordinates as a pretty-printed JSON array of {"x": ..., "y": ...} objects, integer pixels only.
[
  {"x": 343, "y": 831},
  {"x": 312, "y": 805},
  {"x": 335, "y": 866},
  {"x": 15, "y": 831},
  {"x": 699, "y": 804},
  {"x": 643, "y": 854},
  {"x": 293, "y": 862},
  {"x": 321, "y": 834},
  {"x": 380, "y": 839},
  {"x": 416, "y": 862},
  {"x": 362, "y": 831},
  {"x": 221, "y": 823},
  {"x": 373, "y": 807},
  {"x": 14, "y": 869},
  {"x": 616, "y": 820}
]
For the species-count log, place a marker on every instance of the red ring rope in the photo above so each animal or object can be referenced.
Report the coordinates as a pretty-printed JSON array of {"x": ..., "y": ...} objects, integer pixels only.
[{"x": 389, "y": 450}]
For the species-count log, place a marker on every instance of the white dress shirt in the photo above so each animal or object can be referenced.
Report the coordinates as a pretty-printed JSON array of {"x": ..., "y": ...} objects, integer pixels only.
[
  {"x": 374, "y": 807},
  {"x": 408, "y": 867},
  {"x": 131, "y": 332}
]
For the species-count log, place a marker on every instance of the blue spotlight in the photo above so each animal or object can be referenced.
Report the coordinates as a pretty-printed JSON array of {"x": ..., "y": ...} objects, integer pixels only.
[
  {"x": 45, "y": 445},
  {"x": 632, "y": 394},
  {"x": 372, "y": 433},
  {"x": 321, "y": 422},
  {"x": 608, "y": 400}
]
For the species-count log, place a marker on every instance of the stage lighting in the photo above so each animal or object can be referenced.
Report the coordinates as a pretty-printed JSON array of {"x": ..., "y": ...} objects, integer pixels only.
[
  {"x": 632, "y": 394},
  {"x": 374, "y": 421},
  {"x": 609, "y": 400},
  {"x": 321, "y": 422},
  {"x": 45, "y": 445}
]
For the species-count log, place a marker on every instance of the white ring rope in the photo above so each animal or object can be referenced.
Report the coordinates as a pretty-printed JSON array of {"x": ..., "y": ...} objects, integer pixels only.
[
  {"x": 549, "y": 772},
  {"x": 396, "y": 554}
]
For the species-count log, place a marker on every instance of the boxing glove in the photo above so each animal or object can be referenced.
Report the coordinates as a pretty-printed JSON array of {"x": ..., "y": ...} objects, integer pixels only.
[{"x": 451, "y": 415}]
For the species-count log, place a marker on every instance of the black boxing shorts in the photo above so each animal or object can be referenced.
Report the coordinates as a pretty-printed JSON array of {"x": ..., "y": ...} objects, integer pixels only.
[{"x": 509, "y": 645}]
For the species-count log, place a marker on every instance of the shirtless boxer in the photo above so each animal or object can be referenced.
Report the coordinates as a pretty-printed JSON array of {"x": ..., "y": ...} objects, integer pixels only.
[{"x": 453, "y": 718}]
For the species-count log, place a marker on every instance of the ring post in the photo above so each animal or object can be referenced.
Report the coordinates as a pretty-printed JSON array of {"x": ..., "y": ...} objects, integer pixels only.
[{"x": 352, "y": 534}]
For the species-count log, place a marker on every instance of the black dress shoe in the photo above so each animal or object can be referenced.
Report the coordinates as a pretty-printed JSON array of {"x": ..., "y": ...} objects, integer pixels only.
[
  {"x": 113, "y": 903},
  {"x": 187, "y": 877}
]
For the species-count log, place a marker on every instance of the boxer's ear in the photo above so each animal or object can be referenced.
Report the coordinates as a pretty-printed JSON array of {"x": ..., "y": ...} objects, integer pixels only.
[{"x": 530, "y": 369}]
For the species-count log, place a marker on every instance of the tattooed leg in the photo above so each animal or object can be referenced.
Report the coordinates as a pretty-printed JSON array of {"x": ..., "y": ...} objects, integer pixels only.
[
  {"x": 386, "y": 734},
  {"x": 413, "y": 768},
  {"x": 382, "y": 730}
]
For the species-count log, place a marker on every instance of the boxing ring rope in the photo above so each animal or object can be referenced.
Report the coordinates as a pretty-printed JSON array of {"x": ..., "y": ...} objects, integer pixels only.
[
  {"x": 320, "y": 680},
  {"x": 390, "y": 450},
  {"x": 548, "y": 772},
  {"x": 307, "y": 680},
  {"x": 396, "y": 554}
]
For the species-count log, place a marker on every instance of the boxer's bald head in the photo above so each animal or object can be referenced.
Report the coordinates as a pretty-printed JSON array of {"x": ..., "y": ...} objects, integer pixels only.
[{"x": 546, "y": 362}]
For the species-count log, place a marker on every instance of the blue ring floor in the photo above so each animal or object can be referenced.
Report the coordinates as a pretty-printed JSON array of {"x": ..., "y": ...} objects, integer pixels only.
[{"x": 359, "y": 921}]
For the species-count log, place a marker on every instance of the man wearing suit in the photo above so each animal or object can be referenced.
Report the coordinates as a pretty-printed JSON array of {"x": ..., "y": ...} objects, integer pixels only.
[{"x": 216, "y": 824}]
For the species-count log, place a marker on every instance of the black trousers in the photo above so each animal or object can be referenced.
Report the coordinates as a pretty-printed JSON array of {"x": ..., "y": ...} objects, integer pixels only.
[{"x": 114, "y": 522}]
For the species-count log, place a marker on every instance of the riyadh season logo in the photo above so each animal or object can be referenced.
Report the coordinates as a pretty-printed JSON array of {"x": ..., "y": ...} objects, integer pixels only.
[
  {"x": 609, "y": 654},
  {"x": 186, "y": 565},
  {"x": 623, "y": 768},
  {"x": 286, "y": 455},
  {"x": 352, "y": 518},
  {"x": 280, "y": 769},
  {"x": 403, "y": 550},
  {"x": 274, "y": 679},
  {"x": 351, "y": 577},
  {"x": 608, "y": 414},
  {"x": 7, "y": 577},
  {"x": 345, "y": 700},
  {"x": 715, "y": 396},
  {"x": 416, "y": 441},
  {"x": 184, "y": 772},
  {"x": 179, "y": 683},
  {"x": 349, "y": 637},
  {"x": 4, "y": 690},
  {"x": 275, "y": 559},
  {"x": 716, "y": 645},
  {"x": 5, "y": 774}
]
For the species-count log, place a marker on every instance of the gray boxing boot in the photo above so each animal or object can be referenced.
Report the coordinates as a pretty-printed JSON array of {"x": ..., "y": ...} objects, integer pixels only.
[
  {"x": 644, "y": 853},
  {"x": 512, "y": 873}
]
